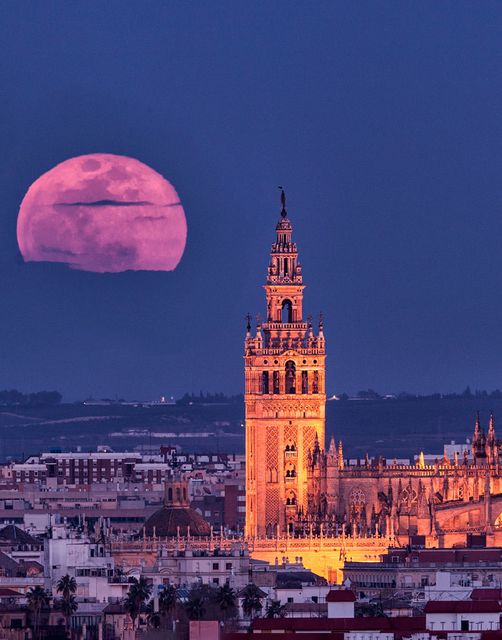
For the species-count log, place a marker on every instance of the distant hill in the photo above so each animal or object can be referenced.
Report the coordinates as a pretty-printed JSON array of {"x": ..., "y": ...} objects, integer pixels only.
[{"x": 394, "y": 428}]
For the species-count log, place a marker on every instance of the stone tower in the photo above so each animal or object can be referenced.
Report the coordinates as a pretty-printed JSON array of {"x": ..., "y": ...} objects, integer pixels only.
[{"x": 284, "y": 395}]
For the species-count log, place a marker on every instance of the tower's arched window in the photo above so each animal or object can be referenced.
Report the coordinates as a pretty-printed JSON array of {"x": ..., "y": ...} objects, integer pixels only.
[
  {"x": 290, "y": 470},
  {"x": 305, "y": 382},
  {"x": 287, "y": 311},
  {"x": 315, "y": 382},
  {"x": 276, "y": 382},
  {"x": 290, "y": 377},
  {"x": 264, "y": 382},
  {"x": 178, "y": 494},
  {"x": 170, "y": 494}
]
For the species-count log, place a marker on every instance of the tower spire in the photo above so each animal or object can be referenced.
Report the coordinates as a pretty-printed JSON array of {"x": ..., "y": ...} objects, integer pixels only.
[{"x": 284, "y": 363}]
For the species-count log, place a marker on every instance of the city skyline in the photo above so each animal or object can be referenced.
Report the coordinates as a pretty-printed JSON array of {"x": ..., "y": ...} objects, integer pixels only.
[{"x": 383, "y": 127}]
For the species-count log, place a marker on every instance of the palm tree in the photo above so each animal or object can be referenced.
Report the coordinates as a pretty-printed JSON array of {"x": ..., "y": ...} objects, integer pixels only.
[
  {"x": 275, "y": 609},
  {"x": 37, "y": 598},
  {"x": 139, "y": 592},
  {"x": 195, "y": 607},
  {"x": 251, "y": 603},
  {"x": 167, "y": 602},
  {"x": 67, "y": 586},
  {"x": 226, "y": 599},
  {"x": 153, "y": 617}
]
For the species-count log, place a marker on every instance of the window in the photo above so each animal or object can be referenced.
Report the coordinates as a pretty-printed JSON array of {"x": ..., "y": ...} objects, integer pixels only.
[
  {"x": 287, "y": 307},
  {"x": 216, "y": 581},
  {"x": 216, "y": 566},
  {"x": 305, "y": 382},
  {"x": 315, "y": 382},
  {"x": 290, "y": 377},
  {"x": 264, "y": 382},
  {"x": 228, "y": 566},
  {"x": 464, "y": 625},
  {"x": 276, "y": 382}
]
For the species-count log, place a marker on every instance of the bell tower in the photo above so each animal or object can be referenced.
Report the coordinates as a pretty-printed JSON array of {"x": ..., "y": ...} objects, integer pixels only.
[{"x": 284, "y": 394}]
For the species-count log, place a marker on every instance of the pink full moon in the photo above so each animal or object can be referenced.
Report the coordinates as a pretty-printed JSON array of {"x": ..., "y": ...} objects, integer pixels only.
[{"x": 103, "y": 213}]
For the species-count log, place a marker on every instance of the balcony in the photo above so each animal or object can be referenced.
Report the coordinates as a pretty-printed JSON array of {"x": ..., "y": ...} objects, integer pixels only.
[{"x": 285, "y": 326}]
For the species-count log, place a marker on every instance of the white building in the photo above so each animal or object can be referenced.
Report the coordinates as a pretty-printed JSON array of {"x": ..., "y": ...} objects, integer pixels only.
[
  {"x": 463, "y": 615},
  {"x": 341, "y": 603}
]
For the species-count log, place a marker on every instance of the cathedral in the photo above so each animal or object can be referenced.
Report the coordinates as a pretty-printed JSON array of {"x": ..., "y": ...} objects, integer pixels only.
[{"x": 298, "y": 487}]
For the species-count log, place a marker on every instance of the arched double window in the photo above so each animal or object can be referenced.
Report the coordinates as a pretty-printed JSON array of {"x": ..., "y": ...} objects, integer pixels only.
[{"x": 291, "y": 499}]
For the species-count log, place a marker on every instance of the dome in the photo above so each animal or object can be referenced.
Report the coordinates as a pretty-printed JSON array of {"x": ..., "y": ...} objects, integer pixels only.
[
  {"x": 176, "y": 516},
  {"x": 165, "y": 522}
]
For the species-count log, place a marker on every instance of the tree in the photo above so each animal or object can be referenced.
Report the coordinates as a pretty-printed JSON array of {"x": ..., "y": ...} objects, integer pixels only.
[
  {"x": 153, "y": 617},
  {"x": 251, "y": 602},
  {"x": 226, "y": 599},
  {"x": 275, "y": 609},
  {"x": 37, "y": 598},
  {"x": 67, "y": 586},
  {"x": 195, "y": 606},
  {"x": 167, "y": 602},
  {"x": 139, "y": 592}
]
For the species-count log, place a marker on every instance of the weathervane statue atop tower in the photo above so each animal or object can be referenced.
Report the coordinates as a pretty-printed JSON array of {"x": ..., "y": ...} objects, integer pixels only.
[{"x": 283, "y": 203}]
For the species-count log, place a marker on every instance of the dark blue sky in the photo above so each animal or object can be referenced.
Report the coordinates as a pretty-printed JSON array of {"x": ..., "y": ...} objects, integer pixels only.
[{"x": 383, "y": 121}]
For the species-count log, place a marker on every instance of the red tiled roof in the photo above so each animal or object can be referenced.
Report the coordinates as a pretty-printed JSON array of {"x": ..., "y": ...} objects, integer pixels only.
[
  {"x": 491, "y": 635},
  {"x": 398, "y": 625},
  {"x": 341, "y": 595},
  {"x": 486, "y": 594},
  {"x": 309, "y": 635},
  {"x": 462, "y": 606},
  {"x": 6, "y": 593}
]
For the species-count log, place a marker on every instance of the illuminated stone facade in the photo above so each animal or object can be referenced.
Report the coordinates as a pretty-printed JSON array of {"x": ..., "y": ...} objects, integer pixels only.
[
  {"x": 284, "y": 396},
  {"x": 298, "y": 490}
]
